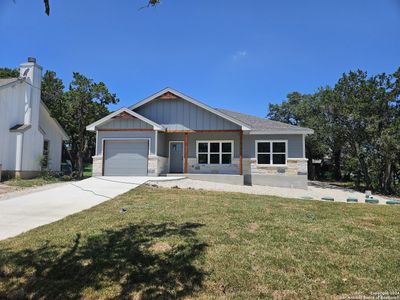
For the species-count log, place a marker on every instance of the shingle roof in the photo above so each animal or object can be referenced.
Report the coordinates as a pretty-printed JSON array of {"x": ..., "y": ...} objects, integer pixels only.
[
  {"x": 261, "y": 124},
  {"x": 5, "y": 81}
]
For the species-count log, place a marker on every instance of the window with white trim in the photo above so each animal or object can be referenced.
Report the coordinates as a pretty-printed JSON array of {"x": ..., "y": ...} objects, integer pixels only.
[
  {"x": 271, "y": 152},
  {"x": 215, "y": 152}
]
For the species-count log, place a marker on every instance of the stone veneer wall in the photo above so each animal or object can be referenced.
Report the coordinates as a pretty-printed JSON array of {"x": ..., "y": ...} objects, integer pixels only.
[
  {"x": 97, "y": 167},
  {"x": 195, "y": 168},
  {"x": 162, "y": 166},
  {"x": 294, "y": 167}
]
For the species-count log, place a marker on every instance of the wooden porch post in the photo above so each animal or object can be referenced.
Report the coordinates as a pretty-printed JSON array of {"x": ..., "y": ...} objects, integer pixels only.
[
  {"x": 186, "y": 153},
  {"x": 241, "y": 152}
]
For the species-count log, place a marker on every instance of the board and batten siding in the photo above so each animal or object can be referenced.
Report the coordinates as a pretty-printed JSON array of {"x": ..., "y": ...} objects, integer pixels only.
[
  {"x": 101, "y": 135},
  {"x": 178, "y": 114},
  {"x": 206, "y": 136},
  {"x": 295, "y": 144},
  {"x": 120, "y": 123}
]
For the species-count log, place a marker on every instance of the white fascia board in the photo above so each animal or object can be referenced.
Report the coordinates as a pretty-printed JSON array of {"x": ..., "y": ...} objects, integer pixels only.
[
  {"x": 287, "y": 131},
  {"x": 63, "y": 133},
  {"x": 12, "y": 83},
  {"x": 193, "y": 101},
  {"x": 92, "y": 127}
]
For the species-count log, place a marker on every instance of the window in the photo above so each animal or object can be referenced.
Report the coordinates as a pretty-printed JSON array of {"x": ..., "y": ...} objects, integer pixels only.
[
  {"x": 214, "y": 152},
  {"x": 45, "y": 160},
  {"x": 271, "y": 152}
]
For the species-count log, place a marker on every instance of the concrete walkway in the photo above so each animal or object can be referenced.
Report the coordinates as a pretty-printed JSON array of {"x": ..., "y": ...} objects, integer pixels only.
[
  {"x": 21, "y": 213},
  {"x": 314, "y": 191}
]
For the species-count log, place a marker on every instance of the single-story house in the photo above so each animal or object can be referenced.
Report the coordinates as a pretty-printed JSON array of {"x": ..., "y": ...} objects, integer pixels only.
[
  {"x": 172, "y": 133},
  {"x": 30, "y": 139}
]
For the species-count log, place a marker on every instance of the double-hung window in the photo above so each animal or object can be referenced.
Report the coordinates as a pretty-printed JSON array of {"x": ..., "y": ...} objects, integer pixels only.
[
  {"x": 45, "y": 159},
  {"x": 214, "y": 152},
  {"x": 271, "y": 152}
]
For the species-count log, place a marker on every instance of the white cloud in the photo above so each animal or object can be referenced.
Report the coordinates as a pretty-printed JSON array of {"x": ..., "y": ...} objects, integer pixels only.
[{"x": 239, "y": 54}]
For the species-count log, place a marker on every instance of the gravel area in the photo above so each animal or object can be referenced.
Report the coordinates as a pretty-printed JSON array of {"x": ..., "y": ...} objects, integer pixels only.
[{"x": 313, "y": 192}]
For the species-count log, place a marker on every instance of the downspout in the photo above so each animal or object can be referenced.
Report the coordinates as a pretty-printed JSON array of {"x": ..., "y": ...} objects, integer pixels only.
[{"x": 19, "y": 154}]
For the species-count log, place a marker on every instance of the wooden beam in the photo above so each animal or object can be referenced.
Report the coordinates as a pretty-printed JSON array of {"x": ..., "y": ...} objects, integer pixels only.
[
  {"x": 241, "y": 153},
  {"x": 168, "y": 96},
  {"x": 186, "y": 146},
  {"x": 125, "y": 129},
  {"x": 124, "y": 115},
  {"x": 103, "y": 153},
  {"x": 199, "y": 131}
]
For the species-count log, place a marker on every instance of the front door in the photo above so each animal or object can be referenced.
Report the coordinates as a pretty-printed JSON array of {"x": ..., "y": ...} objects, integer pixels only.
[{"x": 176, "y": 157}]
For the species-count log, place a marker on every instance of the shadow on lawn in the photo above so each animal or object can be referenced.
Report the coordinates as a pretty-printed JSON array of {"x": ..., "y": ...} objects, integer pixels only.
[{"x": 124, "y": 257}]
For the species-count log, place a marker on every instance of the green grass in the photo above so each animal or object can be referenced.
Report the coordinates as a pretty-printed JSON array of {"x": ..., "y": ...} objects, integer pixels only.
[
  {"x": 26, "y": 183},
  {"x": 196, "y": 244},
  {"x": 87, "y": 170}
]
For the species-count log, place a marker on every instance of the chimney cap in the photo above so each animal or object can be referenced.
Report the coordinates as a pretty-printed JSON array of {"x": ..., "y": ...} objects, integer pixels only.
[{"x": 32, "y": 60}]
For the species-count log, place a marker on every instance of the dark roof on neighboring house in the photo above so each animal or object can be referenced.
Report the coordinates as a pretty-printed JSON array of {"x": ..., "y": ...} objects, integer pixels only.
[
  {"x": 20, "y": 127},
  {"x": 5, "y": 81},
  {"x": 261, "y": 124}
]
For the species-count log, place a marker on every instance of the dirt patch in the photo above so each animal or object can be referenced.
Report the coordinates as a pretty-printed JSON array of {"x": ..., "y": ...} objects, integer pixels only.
[
  {"x": 6, "y": 188},
  {"x": 253, "y": 227},
  {"x": 160, "y": 247},
  {"x": 284, "y": 294},
  {"x": 232, "y": 235}
]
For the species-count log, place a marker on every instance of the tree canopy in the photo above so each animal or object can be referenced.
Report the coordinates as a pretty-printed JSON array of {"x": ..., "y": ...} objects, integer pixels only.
[
  {"x": 357, "y": 127},
  {"x": 7, "y": 73},
  {"x": 83, "y": 103}
]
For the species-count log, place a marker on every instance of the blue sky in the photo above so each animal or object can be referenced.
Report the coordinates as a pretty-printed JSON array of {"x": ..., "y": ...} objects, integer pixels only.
[{"x": 235, "y": 54}]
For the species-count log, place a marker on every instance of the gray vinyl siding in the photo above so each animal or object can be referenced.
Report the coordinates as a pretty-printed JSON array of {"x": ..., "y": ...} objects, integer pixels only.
[
  {"x": 125, "y": 134},
  {"x": 179, "y": 114},
  {"x": 119, "y": 123},
  {"x": 295, "y": 144},
  {"x": 162, "y": 146},
  {"x": 193, "y": 137}
]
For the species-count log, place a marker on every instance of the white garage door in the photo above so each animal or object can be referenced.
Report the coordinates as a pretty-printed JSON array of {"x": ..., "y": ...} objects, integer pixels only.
[{"x": 126, "y": 158}]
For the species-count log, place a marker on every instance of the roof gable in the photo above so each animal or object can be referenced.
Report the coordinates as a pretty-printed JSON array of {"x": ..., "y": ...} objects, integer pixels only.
[
  {"x": 171, "y": 94},
  {"x": 125, "y": 114}
]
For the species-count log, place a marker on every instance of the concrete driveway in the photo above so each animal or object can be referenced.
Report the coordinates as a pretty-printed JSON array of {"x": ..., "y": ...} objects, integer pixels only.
[{"x": 22, "y": 213}]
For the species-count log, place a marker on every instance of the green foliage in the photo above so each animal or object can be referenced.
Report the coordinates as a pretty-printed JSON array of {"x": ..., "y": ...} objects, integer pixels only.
[
  {"x": 9, "y": 73},
  {"x": 357, "y": 125},
  {"x": 85, "y": 102},
  {"x": 53, "y": 95}
]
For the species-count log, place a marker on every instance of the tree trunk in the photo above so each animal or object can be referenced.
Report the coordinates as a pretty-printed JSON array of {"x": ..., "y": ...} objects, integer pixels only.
[
  {"x": 337, "y": 159},
  {"x": 363, "y": 164},
  {"x": 387, "y": 176},
  {"x": 364, "y": 170},
  {"x": 80, "y": 164}
]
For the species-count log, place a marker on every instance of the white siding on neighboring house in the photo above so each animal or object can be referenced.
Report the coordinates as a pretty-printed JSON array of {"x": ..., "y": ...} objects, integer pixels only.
[
  {"x": 51, "y": 133},
  {"x": 20, "y": 104},
  {"x": 11, "y": 112}
]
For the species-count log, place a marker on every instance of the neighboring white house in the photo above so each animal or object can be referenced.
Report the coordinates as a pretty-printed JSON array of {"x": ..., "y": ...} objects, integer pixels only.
[{"x": 27, "y": 131}]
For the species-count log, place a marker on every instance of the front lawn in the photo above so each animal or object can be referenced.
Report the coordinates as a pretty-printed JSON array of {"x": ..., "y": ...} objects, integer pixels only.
[
  {"x": 185, "y": 243},
  {"x": 27, "y": 183}
]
